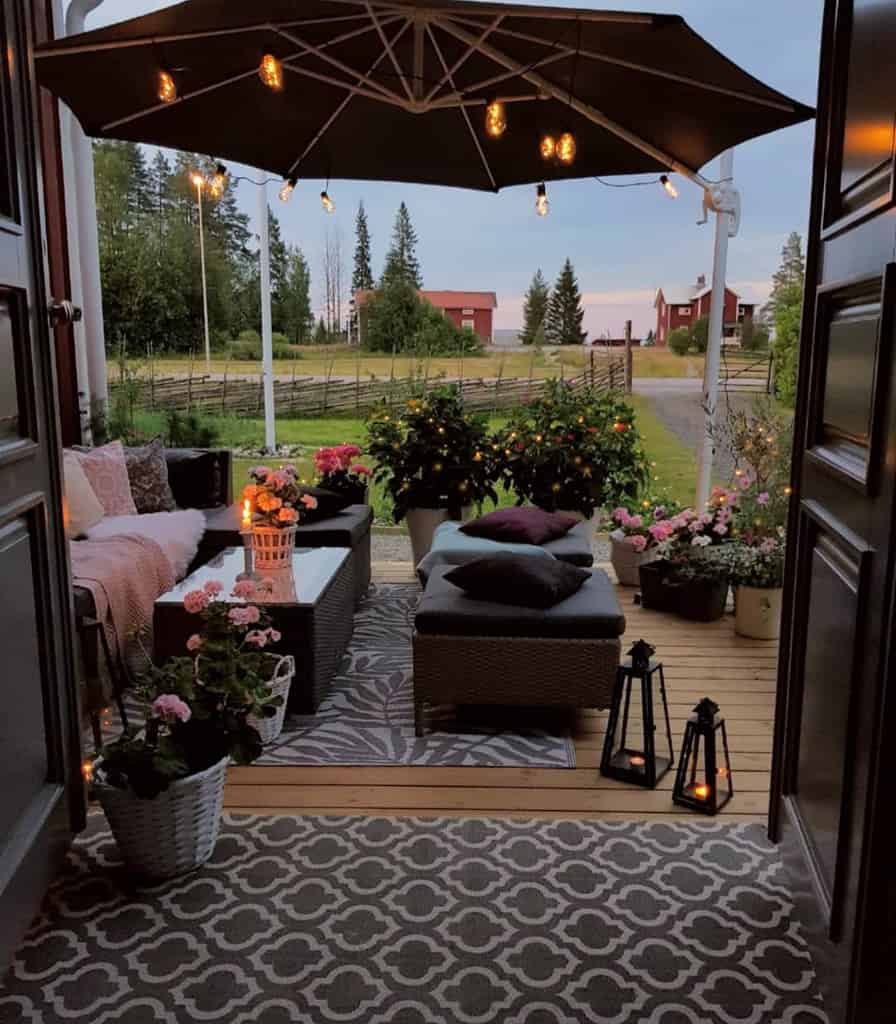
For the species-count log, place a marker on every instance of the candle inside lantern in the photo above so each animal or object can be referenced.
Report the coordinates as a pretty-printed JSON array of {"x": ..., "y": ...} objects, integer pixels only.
[
  {"x": 247, "y": 514},
  {"x": 636, "y": 761},
  {"x": 701, "y": 791}
]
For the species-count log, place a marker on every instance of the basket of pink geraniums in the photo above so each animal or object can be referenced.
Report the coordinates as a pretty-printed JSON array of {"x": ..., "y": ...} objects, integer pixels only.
[
  {"x": 338, "y": 470},
  {"x": 636, "y": 537},
  {"x": 276, "y": 503}
]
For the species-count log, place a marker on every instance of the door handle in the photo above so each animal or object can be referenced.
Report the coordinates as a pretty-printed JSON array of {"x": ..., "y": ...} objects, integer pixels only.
[{"x": 63, "y": 313}]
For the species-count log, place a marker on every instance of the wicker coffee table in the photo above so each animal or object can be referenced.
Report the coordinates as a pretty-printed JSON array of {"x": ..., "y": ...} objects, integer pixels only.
[{"x": 311, "y": 606}]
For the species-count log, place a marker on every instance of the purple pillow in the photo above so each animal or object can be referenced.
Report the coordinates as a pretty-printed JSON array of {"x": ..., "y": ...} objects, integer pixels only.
[
  {"x": 506, "y": 578},
  {"x": 521, "y": 525}
]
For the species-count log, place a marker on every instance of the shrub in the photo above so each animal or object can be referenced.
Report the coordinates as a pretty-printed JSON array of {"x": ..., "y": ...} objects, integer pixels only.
[
  {"x": 398, "y": 320},
  {"x": 189, "y": 430},
  {"x": 699, "y": 334},
  {"x": 679, "y": 341}
]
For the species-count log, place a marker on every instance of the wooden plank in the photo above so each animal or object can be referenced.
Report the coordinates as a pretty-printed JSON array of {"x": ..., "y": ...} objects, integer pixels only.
[{"x": 729, "y": 816}]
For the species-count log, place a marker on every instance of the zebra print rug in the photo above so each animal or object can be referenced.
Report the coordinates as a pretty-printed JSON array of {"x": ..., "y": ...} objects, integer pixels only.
[{"x": 368, "y": 716}]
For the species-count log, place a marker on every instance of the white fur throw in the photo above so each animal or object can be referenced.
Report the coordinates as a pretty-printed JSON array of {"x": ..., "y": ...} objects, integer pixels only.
[{"x": 177, "y": 533}]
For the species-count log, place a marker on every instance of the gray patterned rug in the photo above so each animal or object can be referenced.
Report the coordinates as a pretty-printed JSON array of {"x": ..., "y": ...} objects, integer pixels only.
[
  {"x": 368, "y": 717},
  {"x": 373, "y": 920}
]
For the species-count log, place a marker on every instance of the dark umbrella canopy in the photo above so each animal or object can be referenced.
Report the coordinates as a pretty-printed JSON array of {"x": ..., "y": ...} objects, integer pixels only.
[{"x": 375, "y": 90}]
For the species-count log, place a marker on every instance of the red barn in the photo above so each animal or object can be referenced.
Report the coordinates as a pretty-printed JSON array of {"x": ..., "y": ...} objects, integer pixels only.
[
  {"x": 680, "y": 308},
  {"x": 465, "y": 309}
]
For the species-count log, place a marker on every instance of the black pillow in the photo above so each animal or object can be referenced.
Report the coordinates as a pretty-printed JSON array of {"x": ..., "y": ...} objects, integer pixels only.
[
  {"x": 523, "y": 524},
  {"x": 194, "y": 475},
  {"x": 507, "y": 578},
  {"x": 329, "y": 503}
]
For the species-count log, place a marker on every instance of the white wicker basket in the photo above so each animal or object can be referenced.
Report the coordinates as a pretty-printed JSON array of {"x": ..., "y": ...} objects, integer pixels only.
[
  {"x": 273, "y": 546},
  {"x": 173, "y": 832},
  {"x": 281, "y": 680}
]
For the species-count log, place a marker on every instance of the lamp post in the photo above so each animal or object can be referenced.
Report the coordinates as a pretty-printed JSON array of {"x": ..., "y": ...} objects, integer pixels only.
[
  {"x": 199, "y": 181},
  {"x": 267, "y": 345}
]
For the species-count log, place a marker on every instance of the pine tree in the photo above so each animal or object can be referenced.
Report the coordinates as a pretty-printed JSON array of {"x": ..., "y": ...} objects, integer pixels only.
[
  {"x": 535, "y": 307},
  {"x": 362, "y": 275},
  {"x": 298, "y": 319},
  {"x": 401, "y": 260},
  {"x": 565, "y": 312},
  {"x": 788, "y": 278}
]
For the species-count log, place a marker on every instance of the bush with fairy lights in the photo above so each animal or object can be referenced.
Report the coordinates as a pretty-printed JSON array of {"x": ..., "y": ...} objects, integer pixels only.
[
  {"x": 432, "y": 454},
  {"x": 572, "y": 450}
]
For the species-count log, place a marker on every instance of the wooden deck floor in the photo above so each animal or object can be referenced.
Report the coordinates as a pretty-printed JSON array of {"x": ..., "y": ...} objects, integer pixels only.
[{"x": 699, "y": 659}]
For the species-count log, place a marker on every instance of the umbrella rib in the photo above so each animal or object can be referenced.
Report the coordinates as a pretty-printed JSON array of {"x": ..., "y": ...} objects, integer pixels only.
[
  {"x": 461, "y": 60},
  {"x": 586, "y": 110},
  {"x": 345, "y": 102},
  {"x": 389, "y": 50},
  {"x": 463, "y": 111},
  {"x": 355, "y": 90},
  {"x": 487, "y": 82},
  {"x": 220, "y": 85}
]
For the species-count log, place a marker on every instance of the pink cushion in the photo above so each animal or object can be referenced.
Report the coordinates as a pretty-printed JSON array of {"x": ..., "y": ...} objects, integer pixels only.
[{"x": 107, "y": 471}]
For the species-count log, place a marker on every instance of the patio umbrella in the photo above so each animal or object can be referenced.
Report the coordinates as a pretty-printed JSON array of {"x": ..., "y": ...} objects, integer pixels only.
[{"x": 398, "y": 91}]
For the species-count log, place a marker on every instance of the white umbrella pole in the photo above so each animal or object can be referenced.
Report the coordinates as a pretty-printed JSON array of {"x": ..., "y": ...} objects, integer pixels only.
[
  {"x": 208, "y": 348},
  {"x": 267, "y": 344},
  {"x": 725, "y": 227}
]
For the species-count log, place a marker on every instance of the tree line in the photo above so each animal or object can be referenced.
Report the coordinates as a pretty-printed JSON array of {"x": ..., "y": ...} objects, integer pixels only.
[{"x": 553, "y": 316}]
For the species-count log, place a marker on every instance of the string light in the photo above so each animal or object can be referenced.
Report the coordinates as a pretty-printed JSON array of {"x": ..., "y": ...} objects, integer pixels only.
[
  {"x": 270, "y": 71},
  {"x": 218, "y": 181},
  {"x": 287, "y": 189},
  {"x": 566, "y": 148},
  {"x": 166, "y": 87},
  {"x": 542, "y": 206},
  {"x": 495, "y": 119},
  {"x": 670, "y": 189},
  {"x": 327, "y": 202},
  {"x": 547, "y": 147}
]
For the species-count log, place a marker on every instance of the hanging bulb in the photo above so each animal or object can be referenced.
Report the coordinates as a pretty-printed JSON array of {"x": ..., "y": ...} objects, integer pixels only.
[
  {"x": 547, "y": 147},
  {"x": 287, "y": 189},
  {"x": 270, "y": 71},
  {"x": 218, "y": 181},
  {"x": 166, "y": 87},
  {"x": 327, "y": 202},
  {"x": 671, "y": 190},
  {"x": 566, "y": 148},
  {"x": 541, "y": 200},
  {"x": 495, "y": 119}
]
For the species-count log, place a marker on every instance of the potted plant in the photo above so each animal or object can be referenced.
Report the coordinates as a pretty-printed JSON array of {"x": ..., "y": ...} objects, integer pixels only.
[
  {"x": 434, "y": 460},
  {"x": 636, "y": 537},
  {"x": 338, "y": 470},
  {"x": 274, "y": 506},
  {"x": 572, "y": 450},
  {"x": 757, "y": 573},
  {"x": 161, "y": 784}
]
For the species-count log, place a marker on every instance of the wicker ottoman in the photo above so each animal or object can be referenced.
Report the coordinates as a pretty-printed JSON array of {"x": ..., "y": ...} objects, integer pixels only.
[{"x": 479, "y": 652}]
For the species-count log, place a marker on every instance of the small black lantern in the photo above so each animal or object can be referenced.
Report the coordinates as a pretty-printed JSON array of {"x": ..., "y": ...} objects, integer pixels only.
[
  {"x": 624, "y": 759},
  {"x": 702, "y": 784}
]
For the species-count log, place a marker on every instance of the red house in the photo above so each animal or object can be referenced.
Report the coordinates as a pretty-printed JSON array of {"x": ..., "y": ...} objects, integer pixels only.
[
  {"x": 465, "y": 309},
  {"x": 680, "y": 308}
]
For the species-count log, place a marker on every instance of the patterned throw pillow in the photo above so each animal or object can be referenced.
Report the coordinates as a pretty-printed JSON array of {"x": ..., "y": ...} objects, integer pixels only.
[
  {"x": 107, "y": 472},
  {"x": 148, "y": 474}
]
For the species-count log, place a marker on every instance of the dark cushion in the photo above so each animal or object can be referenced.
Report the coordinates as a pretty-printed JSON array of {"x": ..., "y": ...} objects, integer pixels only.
[
  {"x": 346, "y": 529},
  {"x": 328, "y": 503},
  {"x": 575, "y": 546},
  {"x": 148, "y": 477},
  {"x": 521, "y": 525},
  {"x": 518, "y": 579},
  {"x": 195, "y": 477},
  {"x": 592, "y": 613}
]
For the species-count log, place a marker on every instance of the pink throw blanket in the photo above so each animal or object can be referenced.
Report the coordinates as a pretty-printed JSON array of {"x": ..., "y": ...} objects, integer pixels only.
[{"x": 125, "y": 574}]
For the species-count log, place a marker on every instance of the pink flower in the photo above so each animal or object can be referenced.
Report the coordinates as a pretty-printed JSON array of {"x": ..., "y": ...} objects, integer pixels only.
[
  {"x": 763, "y": 498},
  {"x": 243, "y": 589},
  {"x": 244, "y": 616},
  {"x": 768, "y": 546},
  {"x": 170, "y": 708},
  {"x": 309, "y": 501},
  {"x": 637, "y": 541},
  {"x": 360, "y": 470},
  {"x": 661, "y": 531},
  {"x": 744, "y": 482},
  {"x": 257, "y": 637},
  {"x": 635, "y": 522},
  {"x": 194, "y": 643},
  {"x": 195, "y": 601},
  {"x": 274, "y": 636},
  {"x": 720, "y": 528},
  {"x": 287, "y": 515},
  {"x": 260, "y": 471},
  {"x": 620, "y": 514},
  {"x": 213, "y": 588}
]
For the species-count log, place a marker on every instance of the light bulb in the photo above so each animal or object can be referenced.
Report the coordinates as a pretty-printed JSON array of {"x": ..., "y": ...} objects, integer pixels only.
[
  {"x": 566, "y": 148},
  {"x": 495, "y": 119},
  {"x": 541, "y": 200},
  {"x": 166, "y": 87},
  {"x": 218, "y": 181},
  {"x": 270, "y": 71},
  {"x": 671, "y": 190},
  {"x": 327, "y": 202},
  {"x": 547, "y": 147},
  {"x": 287, "y": 189}
]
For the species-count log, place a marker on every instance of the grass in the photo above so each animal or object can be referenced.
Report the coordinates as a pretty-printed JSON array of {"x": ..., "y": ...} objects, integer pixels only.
[{"x": 674, "y": 467}]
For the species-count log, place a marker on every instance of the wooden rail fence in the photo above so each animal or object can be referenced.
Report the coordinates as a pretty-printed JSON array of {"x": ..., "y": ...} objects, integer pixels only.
[{"x": 311, "y": 396}]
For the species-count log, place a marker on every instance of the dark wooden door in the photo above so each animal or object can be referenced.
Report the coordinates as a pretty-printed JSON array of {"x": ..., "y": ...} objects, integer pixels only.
[
  {"x": 42, "y": 799},
  {"x": 833, "y": 786}
]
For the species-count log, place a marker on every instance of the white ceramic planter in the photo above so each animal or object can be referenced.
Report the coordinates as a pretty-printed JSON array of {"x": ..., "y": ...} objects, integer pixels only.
[
  {"x": 626, "y": 561},
  {"x": 423, "y": 523},
  {"x": 281, "y": 680},
  {"x": 757, "y": 612},
  {"x": 593, "y": 520},
  {"x": 174, "y": 832}
]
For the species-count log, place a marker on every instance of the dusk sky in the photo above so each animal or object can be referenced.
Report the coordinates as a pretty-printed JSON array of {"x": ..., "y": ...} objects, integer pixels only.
[{"x": 623, "y": 243}]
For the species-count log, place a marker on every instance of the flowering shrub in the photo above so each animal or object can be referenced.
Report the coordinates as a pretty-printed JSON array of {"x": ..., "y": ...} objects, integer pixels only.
[
  {"x": 275, "y": 497},
  {"x": 195, "y": 708},
  {"x": 646, "y": 528},
  {"x": 338, "y": 469},
  {"x": 755, "y": 565}
]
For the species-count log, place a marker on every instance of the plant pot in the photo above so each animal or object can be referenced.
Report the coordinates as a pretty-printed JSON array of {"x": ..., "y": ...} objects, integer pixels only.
[
  {"x": 698, "y": 600},
  {"x": 356, "y": 494},
  {"x": 656, "y": 594},
  {"x": 422, "y": 524},
  {"x": 172, "y": 833},
  {"x": 273, "y": 547},
  {"x": 281, "y": 680},
  {"x": 626, "y": 561},
  {"x": 757, "y": 612}
]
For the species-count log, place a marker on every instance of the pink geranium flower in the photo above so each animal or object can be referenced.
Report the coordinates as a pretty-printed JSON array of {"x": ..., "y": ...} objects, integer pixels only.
[
  {"x": 194, "y": 643},
  {"x": 213, "y": 588},
  {"x": 170, "y": 708},
  {"x": 195, "y": 601},
  {"x": 309, "y": 501},
  {"x": 243, "y": 589},
  {"x": 244, "y": 616},
  {"x": 637, "y": 541},
  {"x": 360, "y": 470},
  {"x": 261, "y": 471},
  {"x": 287, "y": 515},
  {"x": 763, "y": 498},
  {"x": 635, "y": 522},
  {"x": 257, "y": 637}
]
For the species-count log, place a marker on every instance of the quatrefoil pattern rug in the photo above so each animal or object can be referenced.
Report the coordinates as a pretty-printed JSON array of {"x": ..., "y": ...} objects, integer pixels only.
[{"x": 383, "y": 921}]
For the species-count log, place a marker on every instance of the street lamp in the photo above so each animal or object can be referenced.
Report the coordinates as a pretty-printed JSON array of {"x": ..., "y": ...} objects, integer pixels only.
[{"x": 199, "y": 182}]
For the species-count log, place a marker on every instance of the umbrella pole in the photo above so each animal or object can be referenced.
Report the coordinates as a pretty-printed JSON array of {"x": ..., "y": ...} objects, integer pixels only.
[
  {"x": 208, "y": 348},
  {"x": 726, "y": 226},
  {"x": 267, "y": 343}
]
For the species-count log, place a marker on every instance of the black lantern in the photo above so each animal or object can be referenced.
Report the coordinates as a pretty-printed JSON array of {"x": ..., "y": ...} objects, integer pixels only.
[
  {"x": 701, "y": 782},
  {"x": 629, "y": 751}
]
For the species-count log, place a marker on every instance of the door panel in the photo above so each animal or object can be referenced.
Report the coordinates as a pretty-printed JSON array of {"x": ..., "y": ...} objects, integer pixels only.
[
  {"x": 835, "y": 720},
  {"x": 42, "y": 802}
]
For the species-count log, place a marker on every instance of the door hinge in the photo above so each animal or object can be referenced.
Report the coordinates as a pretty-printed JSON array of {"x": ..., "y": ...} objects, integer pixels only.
[{"x": 64, "y": 313}]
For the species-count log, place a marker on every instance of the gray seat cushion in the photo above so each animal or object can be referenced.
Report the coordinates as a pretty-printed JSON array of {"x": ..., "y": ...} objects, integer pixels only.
[
  {"x": 343, "y": 530},
  {"x": 592, "y": 613},
  {"x": 575, "y": 547}
]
